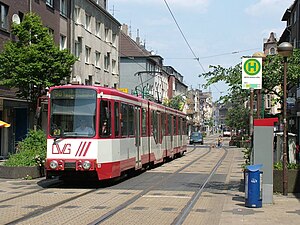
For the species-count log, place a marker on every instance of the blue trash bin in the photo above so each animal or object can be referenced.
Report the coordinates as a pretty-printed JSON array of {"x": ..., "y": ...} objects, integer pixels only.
[{"x": 253, "y": 186}]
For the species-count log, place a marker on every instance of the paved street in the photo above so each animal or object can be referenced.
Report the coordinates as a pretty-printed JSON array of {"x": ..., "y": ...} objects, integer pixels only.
[{"x": 160, "y": 195}]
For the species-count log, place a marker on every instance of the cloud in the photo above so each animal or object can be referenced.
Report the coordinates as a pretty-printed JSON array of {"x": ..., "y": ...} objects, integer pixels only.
[{"x": 263, "y": 7}]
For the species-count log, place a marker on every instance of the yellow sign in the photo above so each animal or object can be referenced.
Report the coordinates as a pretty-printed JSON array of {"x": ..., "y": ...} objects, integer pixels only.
[{"x": 125, "y": 90}]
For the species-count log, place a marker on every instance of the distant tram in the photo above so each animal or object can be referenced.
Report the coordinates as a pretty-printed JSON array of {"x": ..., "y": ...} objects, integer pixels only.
[{"x": 102, "y": 132}]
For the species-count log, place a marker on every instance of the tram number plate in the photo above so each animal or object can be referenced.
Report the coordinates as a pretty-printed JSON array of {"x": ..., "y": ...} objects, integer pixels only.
[{"x": 70, "y": 165}]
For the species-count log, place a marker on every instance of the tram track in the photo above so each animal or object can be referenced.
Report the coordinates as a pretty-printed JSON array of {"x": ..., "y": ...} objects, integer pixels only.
[{"x": 183, "y": 214}]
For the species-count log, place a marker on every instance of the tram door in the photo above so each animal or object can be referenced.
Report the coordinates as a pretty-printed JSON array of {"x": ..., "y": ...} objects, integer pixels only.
[{"x": 137, "y": 116}]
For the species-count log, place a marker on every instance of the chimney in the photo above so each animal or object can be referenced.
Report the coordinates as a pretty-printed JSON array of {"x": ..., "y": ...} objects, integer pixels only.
[
  {"x": 125, "y": 29},
  {"x": 138, "y": 41}
]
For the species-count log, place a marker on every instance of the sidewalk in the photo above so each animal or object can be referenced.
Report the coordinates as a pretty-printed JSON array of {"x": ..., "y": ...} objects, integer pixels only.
[{"x": 284, "y": 210}]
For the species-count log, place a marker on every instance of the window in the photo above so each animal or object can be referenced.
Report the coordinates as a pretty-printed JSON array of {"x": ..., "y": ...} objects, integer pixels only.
[
  {"x": 117, "y": 118},
  {"x": 114, "y": 38},
  {"x": 105, "y": 121},
  {"x": 87, "y": 54},
  {"x": 63, "y": 42},
  {"x": 98, "y": 29},
  {"x": 113, "y": 64},
  {"x": 106, "y": 31},
  {"x": 269, "y": 101},
  {"x": 97, "y": 59},
  {"x": 63, "y": 7},
  {"x": 174, "y": 125},
  {"x": 144, "y": 122},
  {"x": 130, "y": 120},
  {"x": 155, "y": 126},
  {"x": 3, "y": 16},
  {"x": 106, "y": 61},
  {"x": 49, "y": 3},
  {"x": 77, "y": 49},
  {"x": 124, "y": 117},
  {"x": 77, "y": 15},
  {"x": 87, "y": 22},
  {"x": 272, "y": 51}
]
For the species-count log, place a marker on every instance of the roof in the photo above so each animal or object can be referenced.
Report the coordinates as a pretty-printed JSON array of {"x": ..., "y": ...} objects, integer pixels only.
[{"x": 129, "y": 48}]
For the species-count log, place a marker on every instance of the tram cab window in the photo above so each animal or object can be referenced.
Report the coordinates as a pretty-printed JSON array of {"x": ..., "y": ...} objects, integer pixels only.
[{"x": 105, "y": 118}]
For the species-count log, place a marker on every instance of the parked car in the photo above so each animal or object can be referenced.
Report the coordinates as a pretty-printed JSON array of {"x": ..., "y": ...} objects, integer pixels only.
[
  {"x": 196, "y": 137},
  {"x": 226, "y": 133}
]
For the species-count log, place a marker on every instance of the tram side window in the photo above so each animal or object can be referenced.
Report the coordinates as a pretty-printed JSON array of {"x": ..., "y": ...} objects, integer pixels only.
[
  {"x": 155, "y": 126},
  {"x": 117, "y": 119},
  {"x": 144, "y": 122},
  {"x": 184, "y": 128},
  {"x": 170, "y": 125},
  {"x": 105, "y": 118},
  {"x": 174, "y": 125},
  {"x": 163, "y": 123},
  {"x": 130, "y": 120},
  {"x": 180, "y": 127},
  {"x": 124, "y": 117}
]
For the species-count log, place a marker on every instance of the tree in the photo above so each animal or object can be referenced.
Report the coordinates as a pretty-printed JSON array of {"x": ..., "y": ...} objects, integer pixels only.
[
  {"x": 177, "y": 102},
  {"x": 33, "y": 62}
]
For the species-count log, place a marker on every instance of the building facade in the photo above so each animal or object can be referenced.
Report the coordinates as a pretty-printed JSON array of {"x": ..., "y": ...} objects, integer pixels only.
[
  {"x": 94, "y": 39},
  {"x": 141, "y": 72},
  {"x": 291, "y": 34}
]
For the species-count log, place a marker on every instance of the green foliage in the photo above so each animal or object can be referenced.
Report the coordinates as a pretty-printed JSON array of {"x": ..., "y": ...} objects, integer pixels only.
[
  {"x": 290, "y": 166},
  {"x": 272, "y": 77},
  {"x": 247, "y": 153},
  {"x": 31, "y": 151},
  {"x": 177, "y": 102},
  {"x": 33, "y": 62},
  {"x": 238, "y": 117}
]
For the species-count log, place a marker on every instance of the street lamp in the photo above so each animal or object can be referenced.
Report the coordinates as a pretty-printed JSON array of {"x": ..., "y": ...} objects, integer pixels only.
[{"x": 285, "y": 49}]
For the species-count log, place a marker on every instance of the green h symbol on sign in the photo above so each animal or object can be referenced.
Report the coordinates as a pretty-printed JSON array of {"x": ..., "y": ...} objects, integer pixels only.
[{"x": 252, "y": 67}]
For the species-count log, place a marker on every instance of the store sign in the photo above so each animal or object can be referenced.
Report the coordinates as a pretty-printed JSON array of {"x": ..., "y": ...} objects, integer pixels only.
[{"x": 251, "y": 73}]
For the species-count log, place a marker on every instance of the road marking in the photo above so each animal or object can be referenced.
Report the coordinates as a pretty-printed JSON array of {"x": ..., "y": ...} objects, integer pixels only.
[{"x": 165, "y": 196}]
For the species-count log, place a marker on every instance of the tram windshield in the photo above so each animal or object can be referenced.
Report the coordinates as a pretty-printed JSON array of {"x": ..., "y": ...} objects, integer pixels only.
[{"x": 73, "y": 112}]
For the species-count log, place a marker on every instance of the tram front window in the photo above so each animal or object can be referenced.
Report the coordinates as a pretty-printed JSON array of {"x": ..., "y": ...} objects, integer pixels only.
[{"x": 73, "y": 112}]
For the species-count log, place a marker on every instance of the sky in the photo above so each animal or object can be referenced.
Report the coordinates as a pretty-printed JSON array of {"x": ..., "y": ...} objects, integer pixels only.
[{"x": 218, "y": 32}]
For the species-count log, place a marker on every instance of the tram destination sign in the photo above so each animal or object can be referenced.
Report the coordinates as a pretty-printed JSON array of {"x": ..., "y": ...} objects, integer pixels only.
[
  {"x": 251, "y": 73},
  {"x": 73, "y": 93}
]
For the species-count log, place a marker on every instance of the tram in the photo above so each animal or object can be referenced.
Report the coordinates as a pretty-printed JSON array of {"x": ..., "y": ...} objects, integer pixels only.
[{"x": 102, "y": 132}]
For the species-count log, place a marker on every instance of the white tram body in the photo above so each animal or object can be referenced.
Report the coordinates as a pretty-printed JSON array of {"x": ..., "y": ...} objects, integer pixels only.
[{"x": 104, "y": 132}]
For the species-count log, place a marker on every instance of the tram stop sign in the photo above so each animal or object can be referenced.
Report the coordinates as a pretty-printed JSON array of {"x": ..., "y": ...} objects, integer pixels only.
[{"x": 251, "y": 73}]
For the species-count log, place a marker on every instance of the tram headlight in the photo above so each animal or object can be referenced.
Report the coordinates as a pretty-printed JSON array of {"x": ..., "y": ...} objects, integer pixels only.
[
  {"x": 53, "y": 164},
  {"x": 86, "y": 165}
]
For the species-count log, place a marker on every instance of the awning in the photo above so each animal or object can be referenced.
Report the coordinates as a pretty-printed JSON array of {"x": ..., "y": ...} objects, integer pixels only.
[{"x": 4, "y": 124}]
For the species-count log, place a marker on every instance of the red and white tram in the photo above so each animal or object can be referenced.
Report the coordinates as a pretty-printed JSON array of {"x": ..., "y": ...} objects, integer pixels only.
[{"x": 100, "y": 131}]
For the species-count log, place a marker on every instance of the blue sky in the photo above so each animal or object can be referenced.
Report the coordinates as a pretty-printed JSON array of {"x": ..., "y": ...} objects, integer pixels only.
[{"x": 213, "y": 28}]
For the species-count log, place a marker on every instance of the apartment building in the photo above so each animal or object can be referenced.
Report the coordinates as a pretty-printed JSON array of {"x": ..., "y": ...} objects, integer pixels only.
[
  {"x": 94, "y": 39},
  {"x": 291, "y": 34}
]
